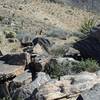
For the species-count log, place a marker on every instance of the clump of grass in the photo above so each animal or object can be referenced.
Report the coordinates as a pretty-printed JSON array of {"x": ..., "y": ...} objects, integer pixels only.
[
  {"x": 87, "y": 25},
  {"x": 89, "y": 65},
  {"x": 9, "y": 33}
]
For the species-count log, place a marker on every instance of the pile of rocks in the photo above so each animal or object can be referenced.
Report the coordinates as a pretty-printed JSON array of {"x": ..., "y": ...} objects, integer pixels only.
[{"x": 18, "y": 84}]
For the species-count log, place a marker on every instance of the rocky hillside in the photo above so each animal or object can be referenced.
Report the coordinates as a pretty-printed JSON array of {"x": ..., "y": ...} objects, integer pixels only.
[
  {"x": 36, "y": 16},
  {"x": 49, "y": 50}
]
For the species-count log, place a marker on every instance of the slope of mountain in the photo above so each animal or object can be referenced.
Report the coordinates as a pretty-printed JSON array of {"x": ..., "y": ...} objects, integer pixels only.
[{"x": 35, "y": 16}]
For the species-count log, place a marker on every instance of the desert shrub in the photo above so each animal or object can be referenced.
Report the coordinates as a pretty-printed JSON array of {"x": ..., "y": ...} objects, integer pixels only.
[
  {"x": 55, "y": 69},
  {"x": 9, "y": 34},
  {"x": 89, "y": 65},
  {"x": 87, "y": 25}
]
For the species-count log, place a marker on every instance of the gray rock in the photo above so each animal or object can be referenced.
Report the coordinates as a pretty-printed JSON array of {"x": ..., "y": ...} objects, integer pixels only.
[
  {"x": 92, "y": 94},
  {"x": 25, "y": 91},
  {"x": 71, "y": 52},
  {"x": 24, "y": 78}
]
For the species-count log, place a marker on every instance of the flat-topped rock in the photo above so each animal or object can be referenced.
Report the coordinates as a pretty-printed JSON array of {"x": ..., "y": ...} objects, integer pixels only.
[
  {"x": 26, "y": 91},
  {"x": 8, "y": 71},
  {"x": 23, "y": 78}
]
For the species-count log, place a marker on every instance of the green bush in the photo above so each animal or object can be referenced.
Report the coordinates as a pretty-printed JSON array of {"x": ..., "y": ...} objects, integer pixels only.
[
  {"x": 89, "y": 65},
  {"x": 55, "y": 69},
  {"x": 10, "y": 34},
  {"x": 87, "y": 25}
]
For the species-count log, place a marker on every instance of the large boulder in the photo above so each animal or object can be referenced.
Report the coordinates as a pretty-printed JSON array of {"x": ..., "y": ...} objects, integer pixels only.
[
  {"x": 26, "y": 91},
  {"x": 90, "y": 46}
]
